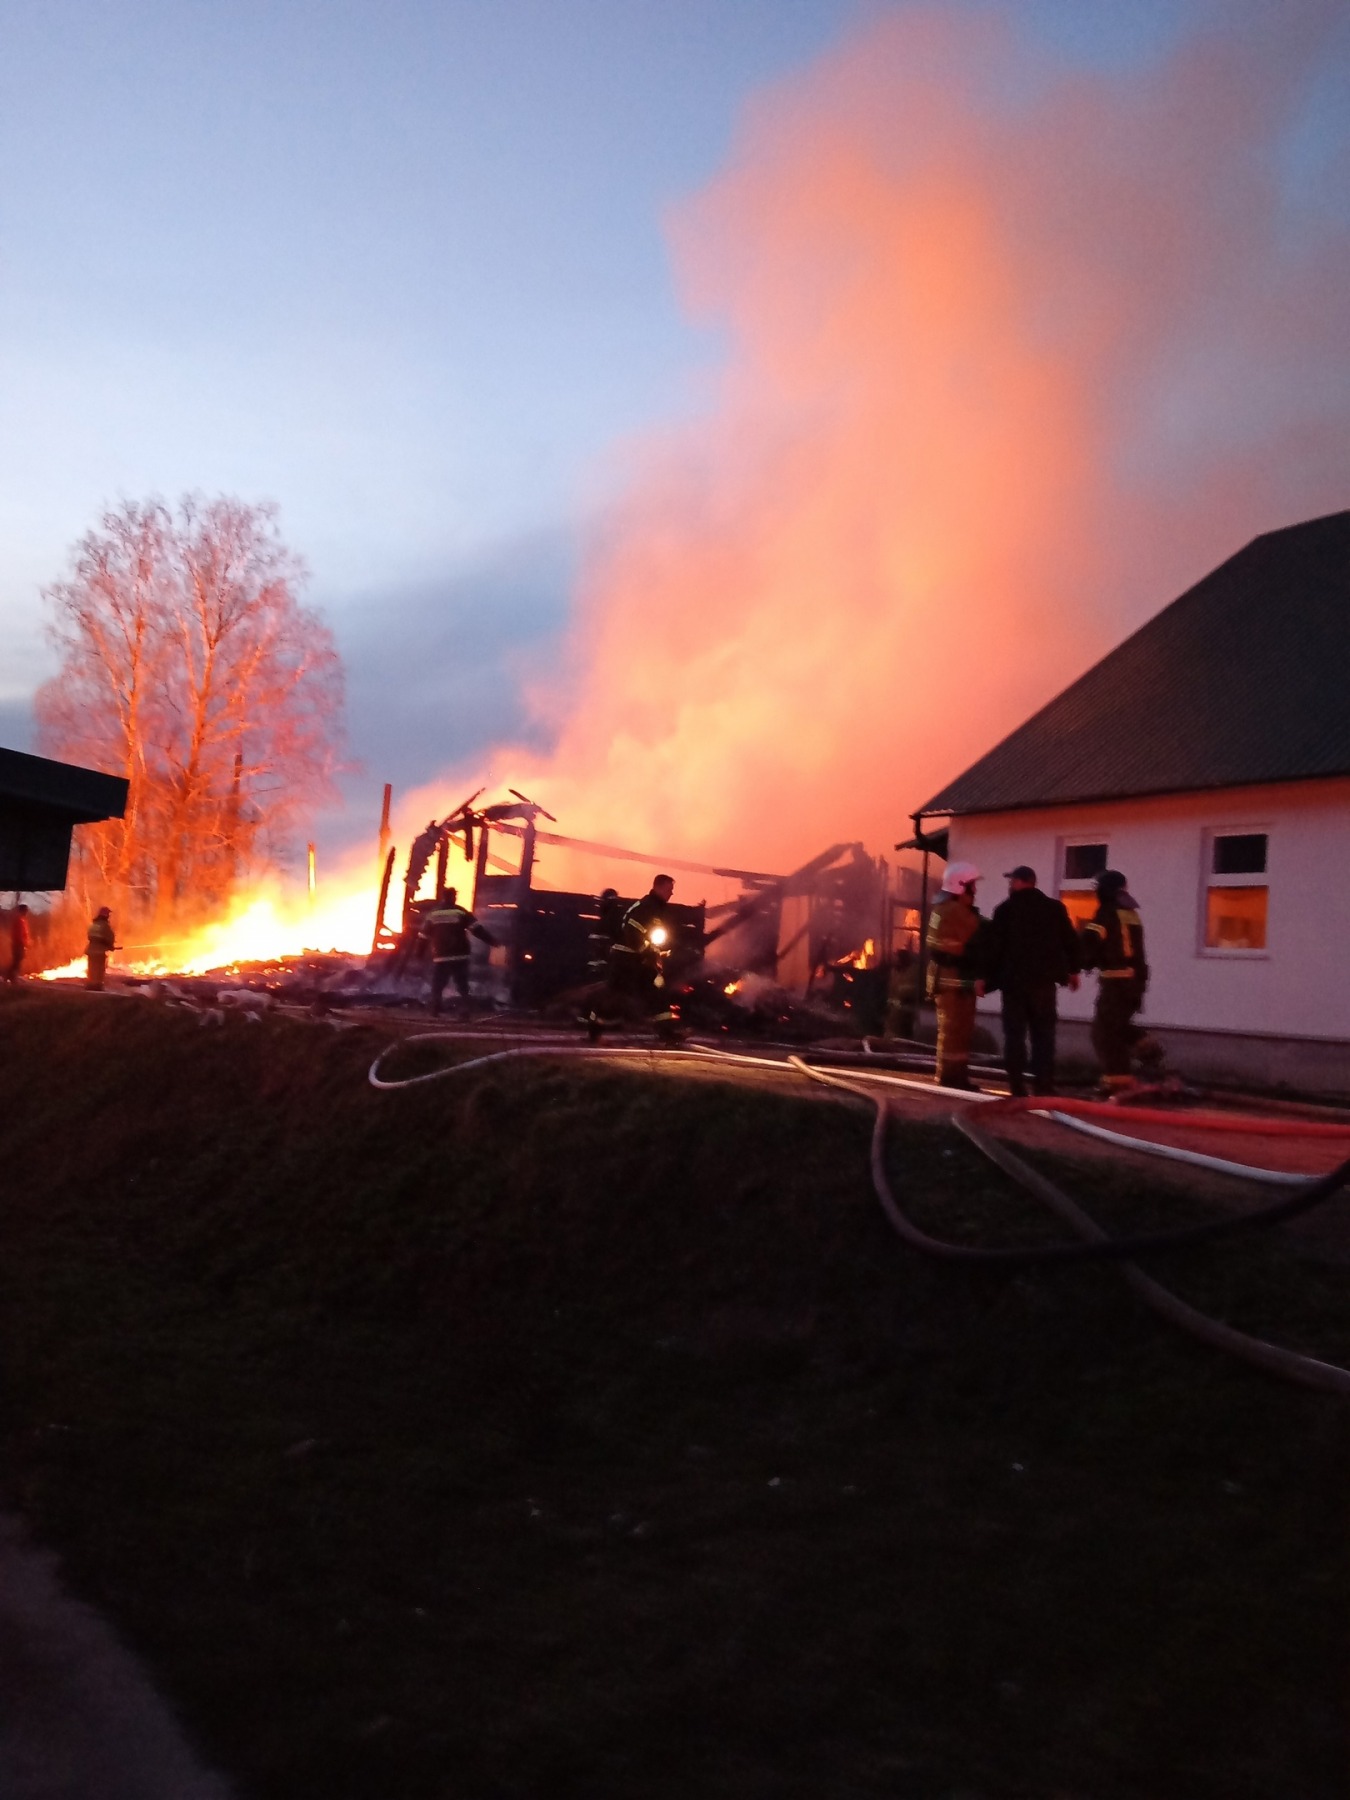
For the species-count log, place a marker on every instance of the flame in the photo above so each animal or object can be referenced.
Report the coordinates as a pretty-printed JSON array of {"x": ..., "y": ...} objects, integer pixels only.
[
  {"x": 859, "y": 959},
  {"x": 265, "y": 925}
]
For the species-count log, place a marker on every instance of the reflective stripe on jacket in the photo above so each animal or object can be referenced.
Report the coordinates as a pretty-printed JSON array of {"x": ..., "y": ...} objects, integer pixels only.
[
  {"x": 1113, "y": 943},
  {"x": 953, "y": 926},
  {"x": 447, "y": 930}
]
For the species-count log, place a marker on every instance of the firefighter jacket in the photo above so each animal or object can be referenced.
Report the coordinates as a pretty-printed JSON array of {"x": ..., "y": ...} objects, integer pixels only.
[
  {"x": 448, "y": 929},
  {"x": 101, "y": 936},
  {"x": 639, "y": 921},
  {"x": 609, "y": 924},
  {"x": 1113, "y": 942},
  {"x": 953, "y": 946}
]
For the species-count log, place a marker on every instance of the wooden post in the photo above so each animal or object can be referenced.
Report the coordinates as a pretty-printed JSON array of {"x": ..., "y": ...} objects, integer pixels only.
[
  {"x": 921, "y": 978},
  {"x": 442, "y": 857},
  {"x": 520, "y": 932},
  {"x": 384, "y": 820},
  {"x": 480, "y": 866},
  {"x": 886, "y": 932},
  {"x": 384, "y": 896}
]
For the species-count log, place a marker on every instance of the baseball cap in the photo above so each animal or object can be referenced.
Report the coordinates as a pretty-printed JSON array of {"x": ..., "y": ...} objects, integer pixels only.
[{"x": 1020, "y": 873}]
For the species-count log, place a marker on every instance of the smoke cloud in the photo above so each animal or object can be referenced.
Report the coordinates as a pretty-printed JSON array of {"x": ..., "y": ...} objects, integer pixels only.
[{"x": 1011, "y": 359}]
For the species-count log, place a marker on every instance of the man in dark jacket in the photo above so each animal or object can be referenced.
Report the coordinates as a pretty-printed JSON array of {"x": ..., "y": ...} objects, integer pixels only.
[
  {"x": 1028, "y": 951},
  {"x": 447, "y": 929}
]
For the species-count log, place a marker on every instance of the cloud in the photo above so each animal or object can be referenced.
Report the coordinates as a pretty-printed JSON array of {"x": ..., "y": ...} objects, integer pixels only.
[
  {"x": 438, "y": 669},
  {"x": 16, "y": 725}
]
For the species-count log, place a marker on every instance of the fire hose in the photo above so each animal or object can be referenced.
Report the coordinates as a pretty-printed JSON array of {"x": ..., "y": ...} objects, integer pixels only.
[{"x": 1093, "y": 1243}]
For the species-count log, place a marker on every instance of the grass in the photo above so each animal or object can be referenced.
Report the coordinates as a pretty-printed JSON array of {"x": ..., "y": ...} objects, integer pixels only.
[{"x": 567, "y": 1432}]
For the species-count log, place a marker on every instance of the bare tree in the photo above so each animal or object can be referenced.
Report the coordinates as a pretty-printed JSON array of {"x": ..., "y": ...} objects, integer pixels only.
[{"x": 189, "y": 666}]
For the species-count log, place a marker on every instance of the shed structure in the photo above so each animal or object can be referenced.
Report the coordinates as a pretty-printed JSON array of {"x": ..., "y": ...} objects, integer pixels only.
[{"x": 41, "y": 802}]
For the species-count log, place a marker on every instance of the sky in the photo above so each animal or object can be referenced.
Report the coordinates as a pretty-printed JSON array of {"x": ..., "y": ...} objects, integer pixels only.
[{"x": 487, "y": 296}]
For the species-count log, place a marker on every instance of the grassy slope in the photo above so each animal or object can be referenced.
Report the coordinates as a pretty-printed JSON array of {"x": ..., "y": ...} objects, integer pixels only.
[{"x": 571, "y": 1433}]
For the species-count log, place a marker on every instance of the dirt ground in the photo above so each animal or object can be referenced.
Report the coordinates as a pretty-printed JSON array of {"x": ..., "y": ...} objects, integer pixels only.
[{"x": 552, "y": 1430}]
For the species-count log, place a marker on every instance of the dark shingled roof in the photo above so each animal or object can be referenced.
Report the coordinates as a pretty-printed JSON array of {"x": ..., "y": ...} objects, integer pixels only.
[
  {"x": 79, "y": 795},
  {"x": 1244, "y": 679}
]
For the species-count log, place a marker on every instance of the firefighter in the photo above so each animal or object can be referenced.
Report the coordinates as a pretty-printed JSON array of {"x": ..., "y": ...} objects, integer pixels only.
[
  {"x": 19, "y": 939},
  {"x": 902, "y": 985},
  {"x": 1112, "y": 943},
  {"x": 100, "y": 944},
  {"x": 608, "y": 930},
  {"x": 954, "y": 972},
  {"x": 637, "y": 964},
  {"x": 447, "y": 929}
]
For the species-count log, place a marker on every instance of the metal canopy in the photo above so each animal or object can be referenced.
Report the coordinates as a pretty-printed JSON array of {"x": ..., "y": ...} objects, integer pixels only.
[{"x": 40, "y": 801}]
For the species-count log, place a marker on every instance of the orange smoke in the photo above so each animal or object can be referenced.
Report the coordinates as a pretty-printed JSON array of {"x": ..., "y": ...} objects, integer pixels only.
[{"x": 971, "y": 429}]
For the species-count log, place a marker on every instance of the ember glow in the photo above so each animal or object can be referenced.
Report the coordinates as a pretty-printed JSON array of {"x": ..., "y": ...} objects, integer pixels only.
[{"x": 991, "y": 337}]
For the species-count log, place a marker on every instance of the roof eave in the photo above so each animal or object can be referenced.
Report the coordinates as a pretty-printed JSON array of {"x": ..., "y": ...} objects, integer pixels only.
[{"x": 947, "y": 810}]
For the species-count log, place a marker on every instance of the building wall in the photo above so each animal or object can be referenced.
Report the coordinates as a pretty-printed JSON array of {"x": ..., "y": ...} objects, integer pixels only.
[{"x": 1297, "y": 987}]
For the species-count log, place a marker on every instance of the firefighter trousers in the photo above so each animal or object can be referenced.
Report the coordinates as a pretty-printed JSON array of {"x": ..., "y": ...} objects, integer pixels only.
[
  {"x": 955, "y": 1029},
  {"x": 445, "y": 969},
  {"x": 1115, "y": 1036}
]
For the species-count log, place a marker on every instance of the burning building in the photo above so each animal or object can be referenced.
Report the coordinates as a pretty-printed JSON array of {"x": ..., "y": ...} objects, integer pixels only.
[{"x": 842, "y": 910}]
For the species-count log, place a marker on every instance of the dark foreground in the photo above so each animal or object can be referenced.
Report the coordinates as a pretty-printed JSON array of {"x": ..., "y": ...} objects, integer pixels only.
[{"x": 572, "y": 1433}]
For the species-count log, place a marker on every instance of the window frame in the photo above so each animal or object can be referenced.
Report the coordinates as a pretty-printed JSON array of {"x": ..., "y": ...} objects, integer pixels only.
[
  {"x": 1078, "y": 884},
  {"x": 1250, "y": 879}
]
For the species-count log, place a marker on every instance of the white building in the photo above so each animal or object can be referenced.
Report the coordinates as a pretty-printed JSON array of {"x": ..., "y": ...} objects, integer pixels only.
[{"x": 1208, "y": 758}]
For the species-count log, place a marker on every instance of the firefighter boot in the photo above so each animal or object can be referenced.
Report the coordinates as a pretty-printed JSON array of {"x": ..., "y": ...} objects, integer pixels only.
[{"x": 957, "y": 1075}]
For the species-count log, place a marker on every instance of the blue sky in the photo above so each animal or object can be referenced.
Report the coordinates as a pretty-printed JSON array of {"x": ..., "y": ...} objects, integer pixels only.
[{"x": 400, "y": 268}]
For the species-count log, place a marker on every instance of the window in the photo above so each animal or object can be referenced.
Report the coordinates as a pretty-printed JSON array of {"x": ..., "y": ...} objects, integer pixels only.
[
  {"x": 1081, "y": 863},
  {"x": 1237, "y": 891},
  {"x": 1084, "y": 862}
]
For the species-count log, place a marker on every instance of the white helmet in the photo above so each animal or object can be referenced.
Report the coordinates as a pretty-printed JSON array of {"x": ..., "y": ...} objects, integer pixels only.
[{"x": 959, "y": 875}]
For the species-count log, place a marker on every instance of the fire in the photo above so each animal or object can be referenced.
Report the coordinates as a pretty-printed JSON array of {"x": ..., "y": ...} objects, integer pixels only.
[
  {"x": 860, "y": 959},
  {"x": 263, "y": 926}
]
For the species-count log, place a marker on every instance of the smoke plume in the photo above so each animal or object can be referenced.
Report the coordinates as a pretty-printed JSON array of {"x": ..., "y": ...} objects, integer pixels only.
[{"x": 1010, "y": 359}]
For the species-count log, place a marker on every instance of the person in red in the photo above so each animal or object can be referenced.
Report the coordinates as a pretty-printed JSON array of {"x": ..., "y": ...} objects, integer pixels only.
[{"x": 19, "y": 939}]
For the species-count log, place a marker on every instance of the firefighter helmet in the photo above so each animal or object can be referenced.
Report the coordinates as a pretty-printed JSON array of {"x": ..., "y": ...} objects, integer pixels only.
[
  {"x": 1110, "y": 881},
  {"x": 959, "y": 875}
]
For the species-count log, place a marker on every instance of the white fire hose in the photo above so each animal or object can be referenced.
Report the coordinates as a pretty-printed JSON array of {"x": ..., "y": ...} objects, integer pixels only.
[{"x": 1093, "y": 1243}]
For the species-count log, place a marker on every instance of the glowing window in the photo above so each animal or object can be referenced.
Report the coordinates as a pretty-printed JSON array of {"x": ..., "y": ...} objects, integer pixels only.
[
  {"x": 1080, "y": 865},
  {"x": 1237, "y": 892},
  {"x": 1081, "y": 904}
]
